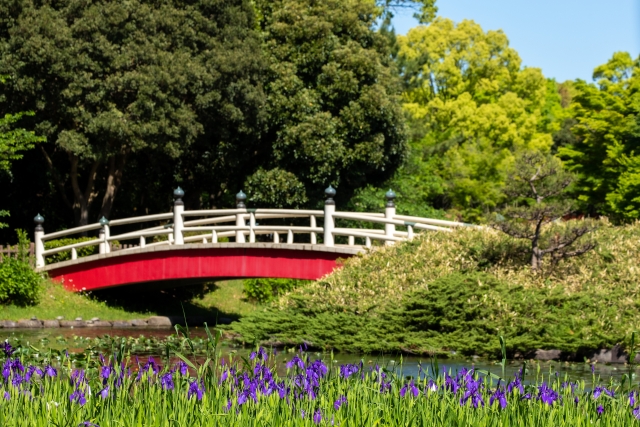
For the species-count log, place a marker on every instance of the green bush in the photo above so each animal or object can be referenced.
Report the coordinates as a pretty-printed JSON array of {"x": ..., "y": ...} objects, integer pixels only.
[
  {"x": 66, "y": 255},
  {"x": 266, "y": 290},
  {"x": 19, "y": 283}
]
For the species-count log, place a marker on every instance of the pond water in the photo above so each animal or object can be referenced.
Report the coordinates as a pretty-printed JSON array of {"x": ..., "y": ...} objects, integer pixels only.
[{"x": 70, "y": 339}]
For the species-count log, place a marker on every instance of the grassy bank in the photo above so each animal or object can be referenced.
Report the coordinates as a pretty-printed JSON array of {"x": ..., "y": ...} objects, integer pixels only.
[
  {"x": 457, "y": 291},
  {"x": 224, "y": 299}
]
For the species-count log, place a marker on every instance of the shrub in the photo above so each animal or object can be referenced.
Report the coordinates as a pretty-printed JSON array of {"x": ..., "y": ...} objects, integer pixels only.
[
  {"x": 19, "y": 283},
  {"x": 66, "y": 255},
  {"x": 265, "y": 290}
]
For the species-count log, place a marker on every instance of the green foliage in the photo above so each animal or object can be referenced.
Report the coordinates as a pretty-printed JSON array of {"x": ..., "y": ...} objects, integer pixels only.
[
  {"x": 19, "y": 283},
  {"x": 265, "y": 290},
  {"x": 607, "y": 132},
  {"x": 333, "y": 107},
  {"x": 66, "y": 255},
  {"x": 471, "y": 107},
  {"x": 457, "y": 291},
  {"x": 170, "y": 80}
]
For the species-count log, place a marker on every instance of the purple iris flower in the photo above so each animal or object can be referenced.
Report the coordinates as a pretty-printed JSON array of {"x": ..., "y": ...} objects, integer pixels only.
[
  {"x": 636, "y": 412},
  {"x": 105, "y": 372},
  {"x": 600, "y": 410},
  {"x": 317, "y": 417},
  {"x": 78, "y": 397},
  {"x": 7, "y": 396},
  {"x": 263, "y": 354},
  {"x": 50, "y": 371},
  {"x": 88, "y": 424},
  {"x": 182, "y": 367},
  {"x": 30, "y": 371},
  {"x": 302, "y": 413},
  {"x": 104, "y": 393},
  {"x": 546, "y": 394},
  {"x": 451, "y": 384},
  {"x": 295, "y": 361},
  {"x": 409, "y": 387},
  {"x": 347, "y": 370},
  {"x": 253, "y": 355},
  {"x": 499, "y": 396},
  {"x": 472, "y": 392},
  {"x": 194, "y": 389},
  {"x": 593, "y": 369},
  {"x": 7, "y": 349},
  {"x": 599, "y": 390},
  {"x": 17, "y": 380},
  {"x": 338, "y": 403},
  {"x": 166, "y": 381},
  {"x": 78, "y": 377},
  {"x": 632, "y": 399},
  {"x": 576, "y": 400},
  {"x": 431, "y": 385}
]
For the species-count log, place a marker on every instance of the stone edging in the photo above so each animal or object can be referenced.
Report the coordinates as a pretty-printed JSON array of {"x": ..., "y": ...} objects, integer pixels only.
[{"x": 151, "y": 322}]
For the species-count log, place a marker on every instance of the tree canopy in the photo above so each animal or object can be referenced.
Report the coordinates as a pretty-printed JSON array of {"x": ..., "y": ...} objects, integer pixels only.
[
  {"x": 604, "y": 152},
  {"x": 472, "y": 106}
]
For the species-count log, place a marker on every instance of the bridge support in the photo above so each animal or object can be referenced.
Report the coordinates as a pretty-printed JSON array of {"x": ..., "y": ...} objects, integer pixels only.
[
  {"x": 329, "y": 210},
  {"x": 39, "y": 243},
  {"x": 390, "y": 213},
  {"x": 240, "y": 221}
]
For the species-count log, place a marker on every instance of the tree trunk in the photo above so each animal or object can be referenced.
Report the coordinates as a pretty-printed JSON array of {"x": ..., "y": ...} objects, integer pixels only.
[
  {"x": 116, "y": 166},
  {"x": 82, "y": 199}
]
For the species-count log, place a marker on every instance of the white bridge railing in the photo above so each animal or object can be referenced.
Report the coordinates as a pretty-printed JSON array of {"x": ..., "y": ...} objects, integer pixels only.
[{"x": 243, "y": 225}]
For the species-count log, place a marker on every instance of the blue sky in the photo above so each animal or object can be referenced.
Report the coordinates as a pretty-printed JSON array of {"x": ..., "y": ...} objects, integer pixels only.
[{"x": 566, "y": 38}]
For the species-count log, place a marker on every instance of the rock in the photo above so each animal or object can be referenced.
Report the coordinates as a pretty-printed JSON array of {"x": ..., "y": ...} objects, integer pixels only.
[
  {"x": 60, "y": 318},
  {"x": 24, "y": 323},
  {"x": 95, "y": 319},
  {"x": 615, "y": 355},
  {"x": 51, "y": 324},
  {"x": 8, "y": 324},
  {"x": 101, "y": 324},
  {"x": 122, "y": 324},
  {"x": 159, "y": 321},
  {"x": 78, "y": 319},
  {"x": 72, "y": 324},
  {"x": 547, "y": 354},
  {"x": 34, "y": 318},
  {"x": 139, "y": 323},
  {"x": 88, "y": 322}
]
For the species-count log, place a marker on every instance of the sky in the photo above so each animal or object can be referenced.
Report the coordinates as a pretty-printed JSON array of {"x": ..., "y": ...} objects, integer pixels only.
[{"x": 567, "y": 39}]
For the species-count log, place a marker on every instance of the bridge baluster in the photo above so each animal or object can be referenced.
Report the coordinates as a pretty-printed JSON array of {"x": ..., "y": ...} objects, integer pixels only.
[
  {"x": 289, "y": 237},
  {"x": 313, "y": 225},
  {"x": 367, "y": 242},
  {"x": 240, "y": 198},
  {"x": 276, "y": 237},
  {"x": 37, "y": 237},
  {"x": 252, "y": 224},
  {"x": 329, "y": 210},
  {"x": 352, "y": 240},
  {"x": 104, "y": 247},
  {"x": 74, "y": 253},
  {"x": 390, "y": 213},
  {"x": 214, "y": 236},
  {"x": 143, "y": 242},
  {"x": 178, "y": 223}
]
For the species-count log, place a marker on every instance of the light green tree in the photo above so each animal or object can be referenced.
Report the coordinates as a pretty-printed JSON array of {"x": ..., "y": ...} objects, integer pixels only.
[
  {"x": 471, "y": 106},
  {"x": 604, "y": 152}
]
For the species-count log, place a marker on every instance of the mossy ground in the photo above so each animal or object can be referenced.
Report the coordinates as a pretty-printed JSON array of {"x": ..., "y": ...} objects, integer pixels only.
[
  {"x": 224, "y": 299},
  {"x": 458, "y": 291}
]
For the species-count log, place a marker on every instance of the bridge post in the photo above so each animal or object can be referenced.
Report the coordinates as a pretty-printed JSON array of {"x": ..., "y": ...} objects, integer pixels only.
[
  {"x": 178, "y": 223},
  {"x": 240, "y": 222},
  {"x": 105, "y": 246},
  {"x": 390, "y": 213},
  {"x": 39, "y": 244},
  {"x": 329, "y": 210}
]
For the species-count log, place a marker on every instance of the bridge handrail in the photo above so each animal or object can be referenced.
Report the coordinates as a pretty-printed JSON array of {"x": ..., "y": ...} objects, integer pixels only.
[{"x": 195, "y": 225}]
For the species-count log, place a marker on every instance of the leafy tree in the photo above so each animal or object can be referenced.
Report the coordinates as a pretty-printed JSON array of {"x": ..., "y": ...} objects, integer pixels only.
[
  {"x": 13, "y": 142},
  {"x": 334, "y": 115},
  {"x": 115, "y": 80},
  {"x": 471, "y": 106},
  {"x": 603, "y": 150},
  {"x": 535, "y": 189}
]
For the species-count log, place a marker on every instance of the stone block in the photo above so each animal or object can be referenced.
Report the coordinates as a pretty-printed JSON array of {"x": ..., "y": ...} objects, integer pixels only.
[
  {"x": 24, "y": 323},
  {"x": 159, "y": 321},
  {"x": 101, "y": 324},
  {"x": 8, "y": 324},
  {"x": 139, "y": 323},
  {"x": 72, "y": 324},
  {"x": 547, "y": 354},
  {"x": 51, "y": 324},
  {"x": 614, "y": 355},
  {"x": 122, "y": 324}
]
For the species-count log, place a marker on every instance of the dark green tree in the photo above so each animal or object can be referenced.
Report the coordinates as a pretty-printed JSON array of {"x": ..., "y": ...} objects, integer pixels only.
[
  {"x": 115, "y": 81},
  {"x": 334, "y": 115}
]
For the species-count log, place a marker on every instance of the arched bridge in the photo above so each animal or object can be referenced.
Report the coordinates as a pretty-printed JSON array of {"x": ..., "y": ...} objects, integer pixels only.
[{"x": 184, "y": 247}]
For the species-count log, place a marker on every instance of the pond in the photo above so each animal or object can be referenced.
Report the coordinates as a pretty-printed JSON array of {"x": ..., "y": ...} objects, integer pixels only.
[{"x": 76, "y": 340}]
